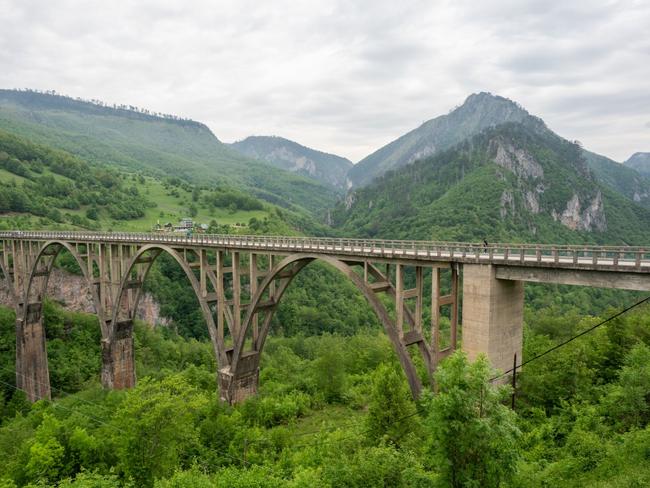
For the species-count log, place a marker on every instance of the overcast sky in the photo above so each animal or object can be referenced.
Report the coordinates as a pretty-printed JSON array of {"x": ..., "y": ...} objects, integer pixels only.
[{"x": 343, "y": 76}]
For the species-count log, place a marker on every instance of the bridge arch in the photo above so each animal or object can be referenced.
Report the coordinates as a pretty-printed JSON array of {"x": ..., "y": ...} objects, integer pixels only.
[
  {"x": 125, "y": 310},
  {"x": 32, "y": 373},
  {"x": 46, "y": 257},
  {"x": 295, "y": 263}
]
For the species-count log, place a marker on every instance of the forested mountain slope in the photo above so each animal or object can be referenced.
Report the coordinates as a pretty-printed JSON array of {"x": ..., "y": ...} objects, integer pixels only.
[
  {"x": 478, "y": 112},
  {"x": 512, "y": 182},
  {"x": 621, "y": 178},
  {"x": 57, "y": 186},
  {"x": 639, "y": 161},
  {"x": 47, "y": 188},
  {"x": 289, "y": 155},
  {"x": 160, "y": 145}
]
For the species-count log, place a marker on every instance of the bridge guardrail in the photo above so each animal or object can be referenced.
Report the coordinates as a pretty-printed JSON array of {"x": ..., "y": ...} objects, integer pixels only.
[{"x": 616, "y": 257}]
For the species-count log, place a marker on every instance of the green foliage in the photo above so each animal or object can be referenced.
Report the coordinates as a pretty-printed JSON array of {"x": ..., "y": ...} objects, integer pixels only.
[
  {"x": 627, "y": 401},
  {"x": 474, "y": 436},
  {"x": 54, "y": 180},
  {"x": 157, "y": 428},
  {"x": 389, "y": 407},
  {"x": 331, "y": 412},
  {"x": 330, "y": 378}
]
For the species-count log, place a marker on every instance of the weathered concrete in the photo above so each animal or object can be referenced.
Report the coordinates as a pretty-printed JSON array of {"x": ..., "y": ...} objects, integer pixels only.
[
  {"x": 236, "y": 389},
  {"x": 599, "y": 279},
  {"x": 118, "y": 363},
  {"x": 32, "y": 374},
  {"x": 493, "y": 315}
]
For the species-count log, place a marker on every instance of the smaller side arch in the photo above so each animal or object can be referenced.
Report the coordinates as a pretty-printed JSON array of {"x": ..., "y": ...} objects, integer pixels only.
[
  {"x": 32, "y": 373},
  {"x": 49, "y": 253},
  {"x": 295, "y": 263}
]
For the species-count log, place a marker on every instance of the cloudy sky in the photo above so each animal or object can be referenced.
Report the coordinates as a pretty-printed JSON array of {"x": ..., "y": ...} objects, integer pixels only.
[{"x": 343, "y": 76}]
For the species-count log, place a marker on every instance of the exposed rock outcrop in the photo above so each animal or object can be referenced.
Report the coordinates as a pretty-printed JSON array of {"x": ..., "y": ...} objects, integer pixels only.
[
  {"x": 518, "y": 161},
  {"x": 591, "y": 218},
  {"x": 71, "y": 291}
]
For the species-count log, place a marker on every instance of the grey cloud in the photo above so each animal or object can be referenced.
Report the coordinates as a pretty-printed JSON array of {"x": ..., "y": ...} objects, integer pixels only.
[{"x": 344, "y": 77}]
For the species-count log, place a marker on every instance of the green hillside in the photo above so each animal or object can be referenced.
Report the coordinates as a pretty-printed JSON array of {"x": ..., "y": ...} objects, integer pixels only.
[
  {"x": 620, "y": 178},
  {"x": 44, "y": 188},
  {"x": 641, "y": 162},
  {"x": 285, "y": 154},
  {"x": 158, "y": 145},
  {"x": 509, "y": 183}
]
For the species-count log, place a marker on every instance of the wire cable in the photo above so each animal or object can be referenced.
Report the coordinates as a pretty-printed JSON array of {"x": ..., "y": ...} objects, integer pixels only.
[{"x": 571, "y": 339}]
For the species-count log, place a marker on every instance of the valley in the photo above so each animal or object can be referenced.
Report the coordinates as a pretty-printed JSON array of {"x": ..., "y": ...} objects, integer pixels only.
[{"x": 334, "y": 407}]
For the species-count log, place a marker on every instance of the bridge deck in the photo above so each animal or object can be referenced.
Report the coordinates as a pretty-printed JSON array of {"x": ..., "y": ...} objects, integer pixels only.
[{"x": 603, "y": 258}]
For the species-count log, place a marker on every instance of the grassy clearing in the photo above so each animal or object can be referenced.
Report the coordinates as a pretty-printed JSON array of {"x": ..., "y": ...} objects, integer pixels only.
[{"x": 171, "y": 206}]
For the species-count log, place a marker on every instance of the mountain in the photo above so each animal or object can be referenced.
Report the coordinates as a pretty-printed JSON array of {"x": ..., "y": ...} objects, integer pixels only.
[
  {"x": 155, "y": 144},
  {"x": 640, "y": 161},
  {"x": 478, "y": 112},
  {"x": 511, "y": 182},
  {"x": 291, "y": 156},
  {"x": 623, "y": 179},
  {"x": 45, "y": 188}
]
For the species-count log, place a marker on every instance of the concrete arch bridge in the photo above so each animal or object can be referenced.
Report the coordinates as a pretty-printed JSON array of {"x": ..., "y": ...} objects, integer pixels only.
[{"x": 240, "y": 280}]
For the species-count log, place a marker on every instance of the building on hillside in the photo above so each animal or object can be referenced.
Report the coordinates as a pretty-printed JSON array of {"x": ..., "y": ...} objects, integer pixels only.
[{"x": 184, "y": 225}]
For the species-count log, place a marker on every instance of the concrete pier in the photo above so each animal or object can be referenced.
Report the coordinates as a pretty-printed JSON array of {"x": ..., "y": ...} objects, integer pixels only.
[{"x": 493, "y": 315}]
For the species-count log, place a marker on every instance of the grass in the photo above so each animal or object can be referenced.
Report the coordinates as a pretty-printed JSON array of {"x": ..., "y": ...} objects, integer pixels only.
[{"x": 169, "y": 208}]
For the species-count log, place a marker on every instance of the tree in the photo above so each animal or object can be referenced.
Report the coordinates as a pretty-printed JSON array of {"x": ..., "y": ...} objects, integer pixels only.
[
  {"x": 156, "y": 427},
  {"x": 473, "y": 435},
  {"x": 193, "y": 210},
  {"x": 92, "y": 213},
  {"x": 329, "y": 371},
  {"x": 389, "y": 407},
  {"x": 628, "y": 400}
]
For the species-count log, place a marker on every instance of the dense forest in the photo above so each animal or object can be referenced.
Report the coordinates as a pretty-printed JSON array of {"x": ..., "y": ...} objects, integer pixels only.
[{"x": 334, "y": 411}]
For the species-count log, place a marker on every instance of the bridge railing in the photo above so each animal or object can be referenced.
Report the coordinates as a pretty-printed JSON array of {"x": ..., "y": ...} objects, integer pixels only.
[{"x": 512, "y": 253}]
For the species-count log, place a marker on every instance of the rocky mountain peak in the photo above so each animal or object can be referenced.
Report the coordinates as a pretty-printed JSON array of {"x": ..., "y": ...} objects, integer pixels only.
[{"x": 477, "y": 113}]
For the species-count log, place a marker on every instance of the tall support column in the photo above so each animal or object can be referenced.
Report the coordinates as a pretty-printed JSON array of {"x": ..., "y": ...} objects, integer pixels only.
[
  {"x": 32, "y": 373},
  {"x": 118, "y": 362},
  {"x": 493, "y": 312}
]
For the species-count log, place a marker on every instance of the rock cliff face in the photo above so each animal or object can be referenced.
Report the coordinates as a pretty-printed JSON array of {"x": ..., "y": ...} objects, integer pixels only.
[
  {"x": 579, "y": 213},
  {"x": 578, "y": 217},
  {"x": 71, "y": 291}
]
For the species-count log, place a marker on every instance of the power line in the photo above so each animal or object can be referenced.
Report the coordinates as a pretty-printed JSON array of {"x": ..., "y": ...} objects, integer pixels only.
[{"x": 562, "y": 344}]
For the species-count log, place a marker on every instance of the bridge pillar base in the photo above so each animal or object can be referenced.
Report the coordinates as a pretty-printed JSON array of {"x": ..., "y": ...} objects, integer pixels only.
[
  {"x": 118, "y": 365},
  {"x": 237, "y": 388},
  {"x": 493, "y": 315},
  {"x": 32, "y": 374}
]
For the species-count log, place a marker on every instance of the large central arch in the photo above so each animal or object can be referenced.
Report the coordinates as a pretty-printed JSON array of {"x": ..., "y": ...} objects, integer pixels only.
[
  {"x": 288, "y": 268},
  {"x": 124, "y": 310}
]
